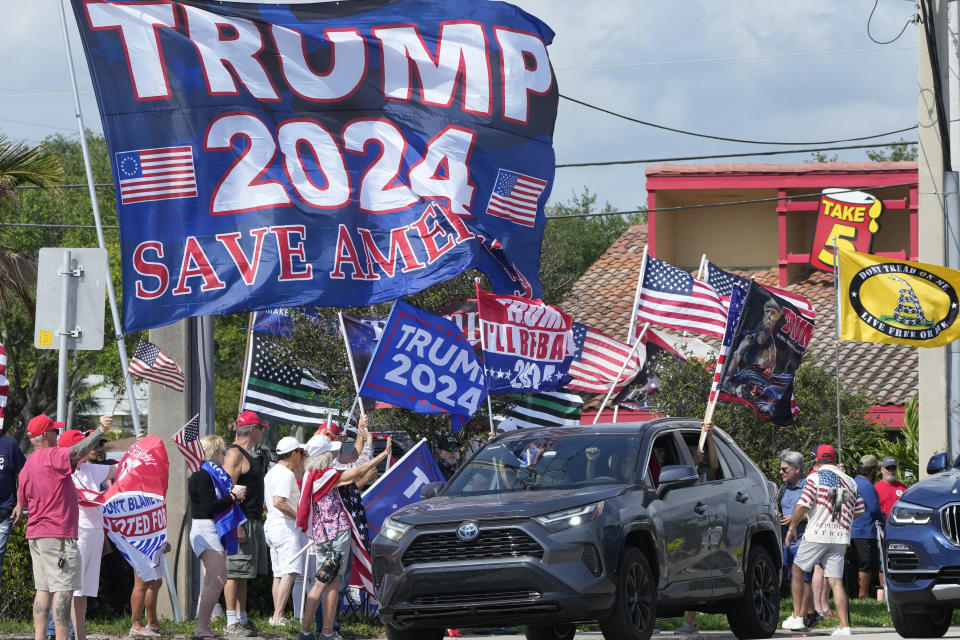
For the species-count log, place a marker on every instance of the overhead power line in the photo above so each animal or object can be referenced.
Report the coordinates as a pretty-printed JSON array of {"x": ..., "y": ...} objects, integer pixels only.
[{"x": 725, "y": 139}]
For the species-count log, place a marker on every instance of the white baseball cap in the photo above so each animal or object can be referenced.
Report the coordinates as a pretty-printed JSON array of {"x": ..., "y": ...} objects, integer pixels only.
[
  {"x": 317, "y": 445},
  {"x": 288, "y": 444}
]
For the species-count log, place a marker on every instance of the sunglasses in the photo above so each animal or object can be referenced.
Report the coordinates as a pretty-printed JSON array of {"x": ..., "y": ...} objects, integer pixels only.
[{"x": 784, "y": 469}]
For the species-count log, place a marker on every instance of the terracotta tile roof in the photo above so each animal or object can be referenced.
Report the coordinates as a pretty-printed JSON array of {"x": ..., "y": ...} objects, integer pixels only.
[
  {"x": 810, "y": 167},
  {"x": 604, "y": 295}
]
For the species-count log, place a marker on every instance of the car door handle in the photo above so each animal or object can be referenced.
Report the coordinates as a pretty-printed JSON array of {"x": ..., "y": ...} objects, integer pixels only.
[
  {"x": 700, "y": 508},
  {"x": 742, "y": 497}
]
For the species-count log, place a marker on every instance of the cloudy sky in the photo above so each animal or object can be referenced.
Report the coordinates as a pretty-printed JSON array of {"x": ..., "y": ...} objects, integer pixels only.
[{"x": 789, "y": 70}]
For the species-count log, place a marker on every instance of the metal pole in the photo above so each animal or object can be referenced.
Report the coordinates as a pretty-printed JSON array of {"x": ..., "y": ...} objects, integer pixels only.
[
  {"x": 353, "y": 369},
  {"x": 204, "y": 333},
  {"x": 121, "y": 347},
  {"x": 836, "y": 339},
  {"x": 66, "y": 272}
]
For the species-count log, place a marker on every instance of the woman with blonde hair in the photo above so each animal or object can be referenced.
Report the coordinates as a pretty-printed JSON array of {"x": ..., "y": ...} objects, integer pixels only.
[
  {"x": 321, "y": 514},
  {"x": 213, "y": 534}
]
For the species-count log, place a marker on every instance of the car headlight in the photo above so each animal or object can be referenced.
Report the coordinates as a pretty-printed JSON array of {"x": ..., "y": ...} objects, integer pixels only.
[
  {"x": 393, "y": 530},
  {"x": 560, "y": 520},
  {"x": 907, "y": 513}
]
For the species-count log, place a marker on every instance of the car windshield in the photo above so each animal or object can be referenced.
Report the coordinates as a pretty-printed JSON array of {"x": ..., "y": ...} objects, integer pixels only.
[{"x": 549, "y": 461}]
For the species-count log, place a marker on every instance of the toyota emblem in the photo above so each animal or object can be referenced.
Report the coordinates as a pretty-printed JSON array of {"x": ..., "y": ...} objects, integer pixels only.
[{"x": 468, "y": 531}]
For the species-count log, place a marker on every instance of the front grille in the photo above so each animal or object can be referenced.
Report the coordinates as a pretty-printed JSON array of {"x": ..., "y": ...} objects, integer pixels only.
[
  {"x": 949, "y": 575},
  {"x": 379, "y": 568},
  {"x": 591, "y": 558},
  {"x": 950, "y": 522},
  {"x": 477, "y": 597},
  {"x": 902, "y": 560},
  {"x": 490, "y": 544}
]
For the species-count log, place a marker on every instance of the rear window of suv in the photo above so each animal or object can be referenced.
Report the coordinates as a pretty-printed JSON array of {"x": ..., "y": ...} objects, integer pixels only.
[{"x": 552, "y": 461}]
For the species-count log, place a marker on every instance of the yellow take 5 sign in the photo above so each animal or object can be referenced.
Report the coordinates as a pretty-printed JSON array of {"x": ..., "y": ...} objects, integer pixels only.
[{"x": 849, "y": 216}]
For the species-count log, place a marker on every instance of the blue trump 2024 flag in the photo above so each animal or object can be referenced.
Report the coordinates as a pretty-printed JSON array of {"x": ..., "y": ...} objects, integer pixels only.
[
  {"x": 400, "y": 485},
  {"x": 424, "y": 363},
  {"x": 336, "y": 154}
]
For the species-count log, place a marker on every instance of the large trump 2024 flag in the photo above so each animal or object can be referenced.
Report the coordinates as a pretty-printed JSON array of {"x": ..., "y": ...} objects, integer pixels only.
[{"x": 338, "y": 154}]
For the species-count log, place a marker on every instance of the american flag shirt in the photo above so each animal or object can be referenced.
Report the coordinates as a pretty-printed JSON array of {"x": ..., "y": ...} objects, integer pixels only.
[{"x": 833, "y": 502}]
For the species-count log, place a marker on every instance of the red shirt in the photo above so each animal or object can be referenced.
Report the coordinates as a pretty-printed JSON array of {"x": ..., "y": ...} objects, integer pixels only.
[
  {"x": 888, "y": 493},
  {"x": 46, "y": 490}
]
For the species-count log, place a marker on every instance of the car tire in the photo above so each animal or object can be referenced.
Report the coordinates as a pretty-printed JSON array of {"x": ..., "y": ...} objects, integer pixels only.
[
  {"x": 551, "y": 631},
  {"x": 394, "y": 633},
  {"x": 755, "y": 614},
  {"x": 931, "y": 622},
  {"x": 634, "y": 608}
]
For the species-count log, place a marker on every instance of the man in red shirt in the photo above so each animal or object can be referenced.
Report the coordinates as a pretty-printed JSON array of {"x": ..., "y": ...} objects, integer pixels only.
[
  {"x": 46, "y": 491},
  {"x": 889, "y": 488}
]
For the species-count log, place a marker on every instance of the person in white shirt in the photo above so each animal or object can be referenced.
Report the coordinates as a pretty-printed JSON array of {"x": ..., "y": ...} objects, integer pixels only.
[
  {"x": 281, "y": 494},
  {"x": 829, "y": 502}
]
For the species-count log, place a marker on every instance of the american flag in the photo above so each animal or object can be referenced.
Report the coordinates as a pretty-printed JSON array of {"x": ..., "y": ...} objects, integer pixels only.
[
  {"x": 156, "y": 174},
  {"x": 4, "y": 385},
  {"x": 827, "y": 492},
  {"x": 670, "y": 297},
  {"x": 515, "y": 197},
  {"x": 724, "y": 282},
  {"x": 736, "y": 306},
  {"x": 598, "y": 359},
  {"x": 352, "y": 501},
  {"x": 151, "y": 364},
  {"x": 188, "y": 441}
]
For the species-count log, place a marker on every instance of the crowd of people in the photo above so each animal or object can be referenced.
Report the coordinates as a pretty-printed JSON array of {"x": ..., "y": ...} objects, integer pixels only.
[
  {"x": 288, "y": 522},
  {"x": 831, "y": 525}
]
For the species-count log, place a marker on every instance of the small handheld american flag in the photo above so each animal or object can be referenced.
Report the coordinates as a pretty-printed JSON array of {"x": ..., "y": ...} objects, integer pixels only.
[
  {"x": 188, "y": 441},
  {"x": 515, "y": 197},
  {"x": 152, "y": 364}
]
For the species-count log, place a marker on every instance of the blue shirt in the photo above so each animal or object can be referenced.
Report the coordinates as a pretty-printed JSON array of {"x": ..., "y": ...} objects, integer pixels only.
[
  {"x": 863, "y": 526},
  {"x": 788, "y": 504},
  {"x": 11, "y": 461}
]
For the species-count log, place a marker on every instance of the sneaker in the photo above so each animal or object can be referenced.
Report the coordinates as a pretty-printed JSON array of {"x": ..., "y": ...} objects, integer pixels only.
[
  {"x": 841, "y": 631},
  {"x": 249, "y": 626},
  {"x": 793, "y": 623},
  {"x": 687, "y": 630},
  {"x": 237, "y": 630},
  {"x": 811, "y": 620},
  {"x": 332, "y": 636},
  {"x": 306, "y": 635},
  {"x": 282, "y": 622}
]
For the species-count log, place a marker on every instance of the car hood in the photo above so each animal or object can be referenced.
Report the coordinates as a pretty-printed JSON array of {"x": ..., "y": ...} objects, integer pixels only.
[
  {"x": 936, "y": 490},
  {"x": 517, "y": 504}
]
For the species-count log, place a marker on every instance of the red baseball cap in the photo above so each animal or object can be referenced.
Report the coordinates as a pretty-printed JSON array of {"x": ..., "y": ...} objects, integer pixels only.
[
  {"x": 334, "y": 428},
  {"x": 40, "y": 424},
  {"x": 249, "y": 419},
  {"x": 826, "y": 452},
  {"x": 69, "y": 438}
]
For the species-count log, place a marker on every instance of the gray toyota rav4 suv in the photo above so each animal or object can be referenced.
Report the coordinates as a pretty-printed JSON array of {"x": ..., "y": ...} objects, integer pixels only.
[{"x": 611, "y": 524}]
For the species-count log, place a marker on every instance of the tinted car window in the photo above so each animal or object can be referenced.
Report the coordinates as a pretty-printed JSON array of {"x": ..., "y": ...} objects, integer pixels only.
[
  {"x": 729, "y": 460},
  {"x": 663, "y": 452},
  {"x": 557, "y": 461},
  {"x": 692, "y": 440}
]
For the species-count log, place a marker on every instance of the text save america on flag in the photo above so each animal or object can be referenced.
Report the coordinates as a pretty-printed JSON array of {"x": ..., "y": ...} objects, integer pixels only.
[
  {"x": 672, "y": 298},
  {"x": 152, "y": 364}
]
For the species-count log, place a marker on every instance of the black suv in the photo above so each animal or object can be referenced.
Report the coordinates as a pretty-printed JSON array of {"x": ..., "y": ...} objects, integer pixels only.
[{"x": 611, "y": 524}]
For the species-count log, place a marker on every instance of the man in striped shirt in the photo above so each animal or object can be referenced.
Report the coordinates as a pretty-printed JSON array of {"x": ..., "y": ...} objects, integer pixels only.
[{"x": 829, "y": 502}]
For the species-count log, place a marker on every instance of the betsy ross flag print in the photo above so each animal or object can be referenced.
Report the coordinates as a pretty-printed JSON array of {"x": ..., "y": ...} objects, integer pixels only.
[
  {"x": 4, "y": 385},
  {"x": 672, "y": 298},
  {"x": 515, "y": 197},
  {"x": 149, "y": 363},
  {"x": 598, "y": 359},
  {"x": 156, "y": 174},
  {"x": 188, "y": 441},
  {"x": 724, "y": 282}
]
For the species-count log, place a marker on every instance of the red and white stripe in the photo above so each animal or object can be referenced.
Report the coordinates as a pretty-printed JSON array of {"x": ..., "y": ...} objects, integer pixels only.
[
  {"x": 521, "y": 205},
  {"x": 701, "y": 312},
  {"x": 164, "y": 371},
  {"x": 600, "y": 363},
  {"x": 361, "y": 556},
  {"x": 165, "y": 173},
  {"x": 802, "y": 304}
]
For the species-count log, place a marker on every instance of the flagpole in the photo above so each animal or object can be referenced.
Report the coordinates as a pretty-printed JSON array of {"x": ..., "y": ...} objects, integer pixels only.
[
  {"x": 111, "y": 296},
  {"x": 703, "y": 260},
  {"x": 623, "y": 368},
  {"x": 836, "y": 339},
  {"x": 353, "y": 371},
  {"x": 247, "y": 362},
  {"x": 483, "y": 349},
  {"x": 633, "y": 312}
]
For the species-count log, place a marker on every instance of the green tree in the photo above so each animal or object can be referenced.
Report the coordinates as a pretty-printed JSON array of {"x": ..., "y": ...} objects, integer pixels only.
[
  {"x": 686, "y": 387},
  {"x": 893, "y": 154},
  {"x": 820, "y": 156}
]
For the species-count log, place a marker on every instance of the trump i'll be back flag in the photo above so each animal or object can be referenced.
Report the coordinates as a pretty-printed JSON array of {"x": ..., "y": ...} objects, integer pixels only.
[{"x": 898, "y": 302}]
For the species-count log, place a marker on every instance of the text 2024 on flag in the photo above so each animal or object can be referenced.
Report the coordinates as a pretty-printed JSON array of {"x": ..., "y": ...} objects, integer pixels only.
[
  {"x": 150, "y": 363},
  {"x": 271, "y": 156},
  {"x": 672, "y": 298}
]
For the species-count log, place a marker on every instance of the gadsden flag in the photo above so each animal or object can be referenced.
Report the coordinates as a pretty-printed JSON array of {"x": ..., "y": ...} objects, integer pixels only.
[{"x": 899, "y": 302}]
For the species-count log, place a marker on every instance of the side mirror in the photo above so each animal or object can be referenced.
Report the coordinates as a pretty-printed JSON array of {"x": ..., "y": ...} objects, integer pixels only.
[
  {"x": 430, "y": 490},
  {"x": 938, "y": 462},
  {"x": 676, "y": 475}
]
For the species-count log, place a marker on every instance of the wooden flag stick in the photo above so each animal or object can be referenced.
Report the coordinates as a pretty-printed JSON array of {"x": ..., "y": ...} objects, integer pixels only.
[
  {"x": 623, "y": 368},
  {"x": 123, "y": 390}
]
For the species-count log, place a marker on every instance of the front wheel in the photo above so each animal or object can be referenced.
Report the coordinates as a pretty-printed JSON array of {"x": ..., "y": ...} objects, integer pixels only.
[
  {"x": 394, "y": 633},
  {"x": 634, "y": 609},
  {"x": 931, "y": 622},
  {"x": 551, "y": 631},
  {"x": 755, "y": 613}
]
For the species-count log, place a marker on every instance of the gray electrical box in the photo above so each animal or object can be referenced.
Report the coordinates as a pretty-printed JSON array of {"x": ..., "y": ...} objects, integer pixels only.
[{"x": 86, "y": 287}]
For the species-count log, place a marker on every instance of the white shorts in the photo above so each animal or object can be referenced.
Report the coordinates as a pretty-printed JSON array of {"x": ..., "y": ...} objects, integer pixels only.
[
  {"x": 284, "y": 546},
  {"x": 90, "y": 545},
  {"x": 830, "y": 556},
  {"x": 203, "y": 536}
]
